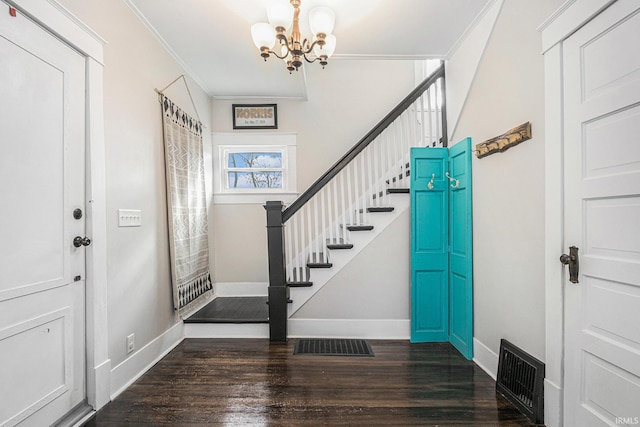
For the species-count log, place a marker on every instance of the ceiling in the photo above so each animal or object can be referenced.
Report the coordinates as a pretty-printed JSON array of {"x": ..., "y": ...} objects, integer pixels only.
[{"x": 212, "y": 40}]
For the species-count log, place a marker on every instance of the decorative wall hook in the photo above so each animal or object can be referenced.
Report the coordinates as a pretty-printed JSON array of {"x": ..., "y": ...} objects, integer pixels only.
[
  {"x": 452, "y": 179},
  {"x": 430, "y": 184},
  {"x": 503, "y": 142}
]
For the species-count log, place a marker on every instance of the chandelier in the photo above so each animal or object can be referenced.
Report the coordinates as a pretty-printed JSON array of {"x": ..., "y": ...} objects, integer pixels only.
[{"x": 292, "y": 50}]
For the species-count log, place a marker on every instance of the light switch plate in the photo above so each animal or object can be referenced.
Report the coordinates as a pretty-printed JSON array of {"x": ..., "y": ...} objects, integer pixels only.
[{"x": 129, "y": 218}]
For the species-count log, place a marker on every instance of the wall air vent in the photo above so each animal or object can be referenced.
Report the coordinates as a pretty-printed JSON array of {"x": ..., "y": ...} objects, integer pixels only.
[{"x": 520, "y": 381}]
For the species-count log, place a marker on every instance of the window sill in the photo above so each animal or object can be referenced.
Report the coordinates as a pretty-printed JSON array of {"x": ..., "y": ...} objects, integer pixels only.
[{"x": 253, "y": 198}]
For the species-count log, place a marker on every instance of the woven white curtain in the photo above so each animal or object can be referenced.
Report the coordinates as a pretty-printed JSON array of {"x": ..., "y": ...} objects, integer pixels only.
[{"x": 187, "y": 209}]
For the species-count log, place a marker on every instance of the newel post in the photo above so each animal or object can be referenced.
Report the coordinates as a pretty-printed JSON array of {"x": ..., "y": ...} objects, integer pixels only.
[{"x": 278, "y": 290}]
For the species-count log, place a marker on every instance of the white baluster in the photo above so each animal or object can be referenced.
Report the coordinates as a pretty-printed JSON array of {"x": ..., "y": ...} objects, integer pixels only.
[
  {"x": 349, "y": 173},
  {"x": 296, "y": 246},
  {"x": 389, "y": 162},
  {"x": 429, "y": 94},
  {"x": 377, "y": 145},
  {"x": 363, "y": 179},
  {"x": 407, "y": 143},
  {"x": 309, "y": 233},
  {"x": 344, "y": 205},
  {"x": 398, "y": 149},
  {"x": 370, "y": 166},
  {"x": 417, "y": 140},
  {"x": 423, "y": 125},
  {"x": 336, "y": 209},
  {"x": 324, "y": 223},
  {"x": 288, "y": 252},
  {"x": 316, "y": 228},
  {"x": 356, "y": 181},
  {"x": 438, "y": 112}
]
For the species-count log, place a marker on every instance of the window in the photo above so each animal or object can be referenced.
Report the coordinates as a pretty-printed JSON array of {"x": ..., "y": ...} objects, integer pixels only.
[
  {"x": 250, "y": 170},
  {"x": 254, "y": 168}
]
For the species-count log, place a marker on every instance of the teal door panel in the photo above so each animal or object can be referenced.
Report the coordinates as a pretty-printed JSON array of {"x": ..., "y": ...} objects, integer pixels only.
[
  {"x": 429, "y": 245},
  {"x": 461, "y": 249},
  {"x": 441, "y": 246}
]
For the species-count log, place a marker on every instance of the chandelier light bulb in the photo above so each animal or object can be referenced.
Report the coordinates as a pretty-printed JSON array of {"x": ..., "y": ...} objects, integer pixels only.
[
  {"x": 281, "y": 15},
  {"x": 263, "y": 35},
  {"x": 321, "y": 20},
  {"x": 328, "y": 48}
]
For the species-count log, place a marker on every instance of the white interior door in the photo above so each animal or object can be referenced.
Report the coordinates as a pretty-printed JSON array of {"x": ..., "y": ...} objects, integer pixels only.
[
  {"x": 42, "y": 274},
  {"x": 602, "y": 218}
]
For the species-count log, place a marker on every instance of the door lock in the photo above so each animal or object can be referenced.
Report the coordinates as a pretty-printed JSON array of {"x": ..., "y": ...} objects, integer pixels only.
[
  {"x": 573, "y": 262},
  {"x": 81, "y": 241}
]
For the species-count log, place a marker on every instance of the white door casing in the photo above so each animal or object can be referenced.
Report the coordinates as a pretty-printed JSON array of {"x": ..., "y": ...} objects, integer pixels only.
[
  {"x": 601, "y": 74},
  {"x": 67, "y": 28},
  {"x": 42, "y": 177}
]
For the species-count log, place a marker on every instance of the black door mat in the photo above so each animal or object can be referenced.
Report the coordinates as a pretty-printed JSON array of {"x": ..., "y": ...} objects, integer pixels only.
[{"x": 333, "y": 347}]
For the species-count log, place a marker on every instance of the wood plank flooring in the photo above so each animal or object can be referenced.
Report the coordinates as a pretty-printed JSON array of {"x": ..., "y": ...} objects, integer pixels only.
[{"x": 252, "y": 382}]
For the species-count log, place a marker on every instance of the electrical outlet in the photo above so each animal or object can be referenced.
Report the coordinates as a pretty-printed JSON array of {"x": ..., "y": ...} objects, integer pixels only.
[{"x": 131, "y": 343}]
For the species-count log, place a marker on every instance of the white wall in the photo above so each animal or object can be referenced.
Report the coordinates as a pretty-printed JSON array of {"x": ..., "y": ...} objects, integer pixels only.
[
  {"x": 508, "y": 198},
  {"x": 374, "y": 285},
  {"x": 345, "y": 101},
  {"x": 139, "y": 289}
]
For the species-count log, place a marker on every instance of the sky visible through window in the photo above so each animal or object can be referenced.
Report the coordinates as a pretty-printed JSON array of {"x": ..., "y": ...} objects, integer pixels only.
[{"x": 255, "y": 170}]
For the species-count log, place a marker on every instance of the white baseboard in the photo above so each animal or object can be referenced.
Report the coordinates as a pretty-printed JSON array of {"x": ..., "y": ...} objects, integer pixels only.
[
  {"x": 552, "y": 404},
  {"x": 127, "y": 372},
  {"x": 241, "y": 289},
  {"x": 226, "y": 330},
  {"x": 102, "y": 392},
  {"x": 350, "y": 328},
  {"x": 485, "y": 358}
]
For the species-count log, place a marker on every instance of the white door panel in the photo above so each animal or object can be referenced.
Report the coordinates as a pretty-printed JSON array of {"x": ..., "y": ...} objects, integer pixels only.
[
  {"x": 602, "y": 217},
  {"x": 42, "y": 318}
]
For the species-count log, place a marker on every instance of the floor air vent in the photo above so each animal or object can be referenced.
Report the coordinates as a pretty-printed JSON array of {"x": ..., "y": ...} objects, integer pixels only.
[
  {"x": 333, "y": 347},
  {"x": 520, "y": 381}
]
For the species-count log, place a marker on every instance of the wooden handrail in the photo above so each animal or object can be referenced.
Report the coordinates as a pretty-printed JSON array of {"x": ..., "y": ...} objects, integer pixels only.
[{"x": 365, "y": 141}]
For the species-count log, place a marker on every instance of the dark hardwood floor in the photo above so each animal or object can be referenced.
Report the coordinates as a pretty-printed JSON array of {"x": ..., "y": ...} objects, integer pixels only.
[{"x": 252, "y": 382}]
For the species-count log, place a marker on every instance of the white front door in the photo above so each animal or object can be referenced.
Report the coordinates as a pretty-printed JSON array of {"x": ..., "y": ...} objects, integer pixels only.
[
  {"x": 42, "y": 273},
  {"x": 602, "y": 218}
]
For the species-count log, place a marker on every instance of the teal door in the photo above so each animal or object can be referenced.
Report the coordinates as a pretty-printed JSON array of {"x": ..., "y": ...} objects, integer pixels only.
[
  {"x": 429, "y": 245},
  {"x": 461, "y": 249},
  {"x": 441, "y": 246}
]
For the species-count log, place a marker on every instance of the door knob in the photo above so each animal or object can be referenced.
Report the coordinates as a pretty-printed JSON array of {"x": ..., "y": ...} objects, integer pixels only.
[
  {"x": 81, "y": 241},
  {"x": 573, "y": 262}
]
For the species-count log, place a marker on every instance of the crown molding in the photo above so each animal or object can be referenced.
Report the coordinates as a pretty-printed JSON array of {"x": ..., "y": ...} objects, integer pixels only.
[{"x": 166, "y": 46}]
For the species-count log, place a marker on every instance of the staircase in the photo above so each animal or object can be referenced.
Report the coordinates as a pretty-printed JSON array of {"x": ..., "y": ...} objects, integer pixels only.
[{"x": 346, "y": 208}]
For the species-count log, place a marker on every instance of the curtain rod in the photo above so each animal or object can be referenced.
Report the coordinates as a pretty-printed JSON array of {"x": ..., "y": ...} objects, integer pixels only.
[{"x": 161, "y": 92}]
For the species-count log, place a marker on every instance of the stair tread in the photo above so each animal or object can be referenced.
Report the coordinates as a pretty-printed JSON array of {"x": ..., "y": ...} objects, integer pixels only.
[
  {"x": 319, "y": 265},
  {"x": 359, "y": 227},
  {"x": 299, "y": 284},
  {"x": 338, "y": 246},
  {"x": 397, "y": 190},
  {"x": 375, "y": 209}
]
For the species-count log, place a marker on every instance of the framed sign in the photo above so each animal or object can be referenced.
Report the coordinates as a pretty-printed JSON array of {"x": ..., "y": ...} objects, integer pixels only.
[{"x": 255, "y": 116}]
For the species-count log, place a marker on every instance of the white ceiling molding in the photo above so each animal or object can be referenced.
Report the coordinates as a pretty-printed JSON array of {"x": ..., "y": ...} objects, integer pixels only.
[
  {"x": 167, "y": 46},
  {"x": 471, "y": 28}
]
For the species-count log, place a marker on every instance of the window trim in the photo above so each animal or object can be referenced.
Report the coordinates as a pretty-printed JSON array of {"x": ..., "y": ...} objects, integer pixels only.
[{"x": 224, "y": 143}]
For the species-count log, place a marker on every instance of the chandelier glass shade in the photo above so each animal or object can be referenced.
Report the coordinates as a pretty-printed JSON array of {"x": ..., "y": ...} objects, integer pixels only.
[{"x": 291, "y": 48}]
